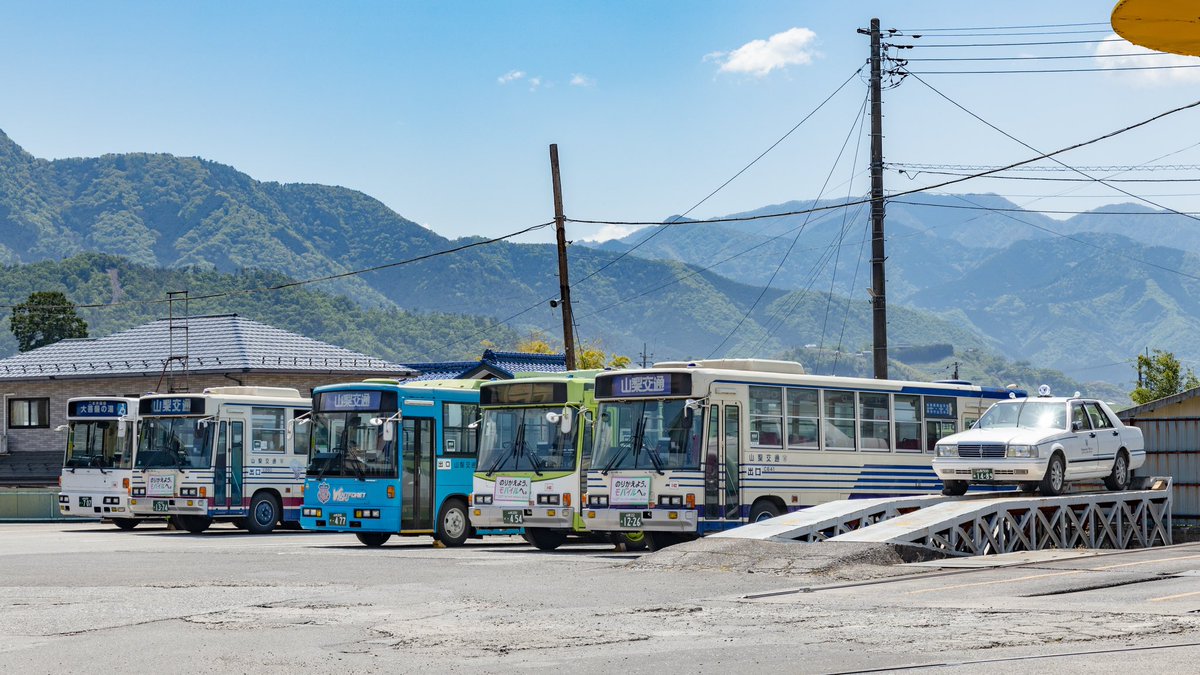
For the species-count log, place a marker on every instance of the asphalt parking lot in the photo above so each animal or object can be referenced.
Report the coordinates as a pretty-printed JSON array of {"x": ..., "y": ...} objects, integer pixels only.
[{"x": 87, "y": 597}]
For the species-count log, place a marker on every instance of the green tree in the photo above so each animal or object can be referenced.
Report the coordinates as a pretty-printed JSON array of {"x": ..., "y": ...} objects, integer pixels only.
[
  {"x": 45, "y": 318},
  {"x": 1161, "y": 375}
]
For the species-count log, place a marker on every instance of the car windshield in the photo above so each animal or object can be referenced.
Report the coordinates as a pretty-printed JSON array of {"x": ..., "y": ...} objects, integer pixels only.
[
  {"x": 1024, "y": 414},
  {"x": 523, "y": 439},
  {"x": 175, "y": 443},
  {"x": 96, "y": 443},
  {"x": 651, "y": 434},
  {"x": 348, "y": 444}
]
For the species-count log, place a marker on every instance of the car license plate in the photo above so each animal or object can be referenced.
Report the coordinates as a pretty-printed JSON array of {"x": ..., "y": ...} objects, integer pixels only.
[
  {"x": 85, "y": 501},
  {"x": 981, "y": 474},
  {"x": 160, "y": 505},
  {"x": 513, "y": 517},
  {"x": 631, "y": 519},
  {"x": 337, "y": 519}
]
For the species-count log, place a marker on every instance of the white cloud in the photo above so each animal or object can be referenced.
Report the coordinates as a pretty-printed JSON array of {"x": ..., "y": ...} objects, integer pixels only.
[
  {"x": 581, "y": 80},
  {"x": 612, "y": 232},
  {"x": 511, "y": 76},
  {"x": 534, "y": 83},
  {"x": 792, "y": 47},
  {"x": 1146, "y": 77}
]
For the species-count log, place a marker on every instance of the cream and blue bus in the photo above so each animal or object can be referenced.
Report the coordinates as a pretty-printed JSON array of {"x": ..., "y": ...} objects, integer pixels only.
[
  {"x": 224, "y": 455},
  {"x": 683, "y": 449},
  {"x": 98, "y": 464}
]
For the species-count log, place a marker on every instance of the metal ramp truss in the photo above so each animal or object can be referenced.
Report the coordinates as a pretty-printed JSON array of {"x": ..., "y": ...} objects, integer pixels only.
[{"x": 986, "y": 524}]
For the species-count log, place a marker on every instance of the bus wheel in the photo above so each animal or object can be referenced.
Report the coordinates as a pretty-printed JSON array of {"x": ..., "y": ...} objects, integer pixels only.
[
  {"x": 373, "y": 539},
  {"x": 194, "y": 524},
  {"x": 657, "y": 541},
  {"x": 545, "y": 540},
  {"x": 453, "y": 524},
  {"x": 762, "y": 510},
  {"x": 264, "y": 513},
  {"x": 955, "y": 488},
  {"x": 125, "y": 523},
  {"x": 632, "y": 541}
]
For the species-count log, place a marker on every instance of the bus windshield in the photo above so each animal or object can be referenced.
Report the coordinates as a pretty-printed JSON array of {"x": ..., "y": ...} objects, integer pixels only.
[
  {"x": 522, "y": 439},
  {"x": 95, "y": 443},
  {"x": 175, "y": 443},
  {"x": 1024, "y": 414},
  {"x": 650, "y": 434},
  {"x": 347, "y": 444}
]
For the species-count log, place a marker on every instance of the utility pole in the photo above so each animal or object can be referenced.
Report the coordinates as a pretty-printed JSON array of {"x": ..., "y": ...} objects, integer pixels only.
[
  {"x": 645, "y": 356},
  {"x": 564, "y": 285},
  {"x": 878, "y": 282}
]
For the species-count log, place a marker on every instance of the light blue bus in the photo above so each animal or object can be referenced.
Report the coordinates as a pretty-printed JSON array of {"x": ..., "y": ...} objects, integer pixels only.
[{"x": 389, "y": 457}]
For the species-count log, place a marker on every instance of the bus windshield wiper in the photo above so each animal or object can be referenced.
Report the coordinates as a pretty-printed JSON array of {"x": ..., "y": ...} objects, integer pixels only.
[
  {"x": 533, "y": 458},
  {"x": 639, "y": 444},
  {"x": 520, "y": 448},
  {"x": 654, "y": 459},
  {"x": 637, "y": 427},
  {"x": 499, "y": 460}
]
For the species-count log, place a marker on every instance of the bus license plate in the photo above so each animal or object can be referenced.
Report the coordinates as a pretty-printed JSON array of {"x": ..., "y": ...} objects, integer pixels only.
[
  {"x": 631, "y": 519},
  {"x": 513, "y": 517},
  {"x": 160, "y": 505},
  {"x": 85, "y": 501},
  {"x": 981, "y": 474},
  {"x": 337, "y": 519}
]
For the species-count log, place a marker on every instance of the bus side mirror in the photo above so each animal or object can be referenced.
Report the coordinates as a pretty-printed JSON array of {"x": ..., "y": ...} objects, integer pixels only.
[
  {"x": 389, "y": 432},
  {"x": 121, "y": 429},
  {"x": 566, "y": 421}
]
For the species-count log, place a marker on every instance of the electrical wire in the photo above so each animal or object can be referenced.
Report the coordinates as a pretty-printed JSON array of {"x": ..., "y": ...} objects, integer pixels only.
[
  {"x": 1043, "y": 25},
  {"x": 676, "y": 219},
  {"x": 1039, "y": 58},
  {"x": 302, "y": 282},
  {"x": 1048, "y": 70},
  {"x": 1047, "y": 211},
  {"x": 1101, "y": 167},
  {"x": 837, "y": 354},
  {"x": 1011, "y": 44},
  {"x": 916, "y": 35},
  {"x": 913, "y": 176}
]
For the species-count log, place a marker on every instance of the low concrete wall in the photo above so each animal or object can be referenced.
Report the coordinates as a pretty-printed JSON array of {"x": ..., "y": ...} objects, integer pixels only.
[{"x": 29, "y": 504}]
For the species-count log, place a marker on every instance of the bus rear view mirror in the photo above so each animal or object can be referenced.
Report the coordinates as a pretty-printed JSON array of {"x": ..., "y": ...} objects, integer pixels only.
[
  {"x": 121, "y": 429},
  {"x": 389, "y": 432}
]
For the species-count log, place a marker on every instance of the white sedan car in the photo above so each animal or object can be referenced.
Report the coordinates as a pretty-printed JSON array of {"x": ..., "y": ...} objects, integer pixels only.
[{"x": 1030, "y": 443}]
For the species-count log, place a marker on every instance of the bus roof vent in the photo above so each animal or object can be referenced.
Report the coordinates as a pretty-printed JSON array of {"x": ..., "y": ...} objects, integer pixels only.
[
  {"x": 758, "y": 365},
  {"x": 278, "y": 392}
]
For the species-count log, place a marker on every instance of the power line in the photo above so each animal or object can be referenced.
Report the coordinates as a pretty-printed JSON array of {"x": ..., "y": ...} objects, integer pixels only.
[
  {"x": 302, "y": 282},
  {"x": 1053, "y": 159},
  {"x": 1109, "y": 167},
  {"x": 1042, "y": 25},
  {"x": 919, "y": 34},
  {"x": 1050, "y": 211},
  {"x": 1040, "y": 58},
  {"x": 1048, "y": 70},
  {"x": 913, "y": 175},
  {"x": 676, "y": 219},
  {"x": 1012, "y": 44}
]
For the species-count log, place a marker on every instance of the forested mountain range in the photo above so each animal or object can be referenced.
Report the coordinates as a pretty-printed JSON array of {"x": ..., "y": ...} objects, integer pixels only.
[{"x": 180, "y": 222}]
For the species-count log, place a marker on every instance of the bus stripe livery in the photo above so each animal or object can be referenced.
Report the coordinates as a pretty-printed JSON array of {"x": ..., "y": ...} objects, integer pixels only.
[{"x": 683, "y": 449}]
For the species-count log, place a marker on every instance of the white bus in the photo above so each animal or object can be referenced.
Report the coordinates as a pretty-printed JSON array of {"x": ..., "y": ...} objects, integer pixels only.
[
  {"x": 223, "y": 455},
  {"x": 683, "y": 449},
  {"x": 97, "y": 467}
]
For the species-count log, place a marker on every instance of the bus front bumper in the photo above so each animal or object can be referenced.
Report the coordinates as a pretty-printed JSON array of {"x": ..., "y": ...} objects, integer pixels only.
[
  {"x": 498, "y": 517},
  {"x": 94, "y": 504},
  {"x": 168, "y": 506},
  {"x": 652, "y": 520}
]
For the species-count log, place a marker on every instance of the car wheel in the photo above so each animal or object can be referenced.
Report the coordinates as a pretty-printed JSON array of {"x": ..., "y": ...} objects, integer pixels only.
[
  {"x": 264, "y": 513},
  {"x": 373, "y": 539},
  {"x": 545, "y": 540},
  {"x": 955, "y": 488},
  {"x": 125, "y": 523},
  {"x": 763, "y": 510},
  {"x": 1055, "y": 479},
  {"x": 1118, "y": 479},
  {"x": 453, "y": 524}
]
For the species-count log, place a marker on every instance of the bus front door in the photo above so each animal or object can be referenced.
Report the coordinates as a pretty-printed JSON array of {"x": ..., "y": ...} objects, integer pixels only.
[
  {"x": 221, "y": 467},
  {"x": 732, "y": 448},
  {"x": 237, "y": 472},
  {"x": 418, "y": 454}
]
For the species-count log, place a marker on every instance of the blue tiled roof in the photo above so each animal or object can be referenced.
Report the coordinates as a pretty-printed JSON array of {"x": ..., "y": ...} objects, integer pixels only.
[
  {"x": 505, "y": 364},
  {"x": 215, "y": 344}
]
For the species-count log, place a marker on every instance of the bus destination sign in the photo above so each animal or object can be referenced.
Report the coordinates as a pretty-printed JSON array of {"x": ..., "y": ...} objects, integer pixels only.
[
  {"x": 350, "y": 401},
  {"x": 658, "y": 384},
  {"x": 97, "y": 409},
  {"x": 174, "y": 405}
]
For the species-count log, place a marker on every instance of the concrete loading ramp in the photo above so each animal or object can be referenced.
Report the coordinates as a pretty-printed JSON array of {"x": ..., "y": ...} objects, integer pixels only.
[{"x": 984, "y": 524}]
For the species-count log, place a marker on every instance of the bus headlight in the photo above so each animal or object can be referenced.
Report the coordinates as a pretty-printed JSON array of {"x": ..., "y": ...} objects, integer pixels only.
[
  {"x": 312, "y": 513},
  {"x": 598, "y": 501},
  {"x": 547, "y": 499},
  {"x": 1025, "y": 451},
  {"x": 483, "y": 499},
  {"x": 945, "y": 450}
]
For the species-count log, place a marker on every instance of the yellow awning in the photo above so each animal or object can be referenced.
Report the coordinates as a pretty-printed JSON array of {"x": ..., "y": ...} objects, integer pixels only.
[{"x": 1162, "y": 25}]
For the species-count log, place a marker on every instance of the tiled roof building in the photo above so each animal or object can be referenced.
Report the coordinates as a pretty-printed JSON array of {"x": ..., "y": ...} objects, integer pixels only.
[{"x": 493, "y": 365}]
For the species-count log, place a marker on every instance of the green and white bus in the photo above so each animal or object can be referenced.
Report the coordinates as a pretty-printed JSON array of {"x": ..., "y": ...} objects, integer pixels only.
[{"x": 534, "y": 456}]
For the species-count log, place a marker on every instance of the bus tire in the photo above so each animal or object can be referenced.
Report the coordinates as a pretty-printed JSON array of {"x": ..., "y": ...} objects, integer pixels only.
[
  {"x": 125, "y": 523},
  {"x": 657, "y": 541},
  {"x": 194, "y": 524},
  {"x": 632, "y": 541},
  {"x": 544, "y": 539},
  {"x": 955, "y": 488},
  {"x": 264, "y": 513},
  {"x": 763, "y": 509},
  {"x": 453, "y": 524},
  {"x": 373, "y": 539}
]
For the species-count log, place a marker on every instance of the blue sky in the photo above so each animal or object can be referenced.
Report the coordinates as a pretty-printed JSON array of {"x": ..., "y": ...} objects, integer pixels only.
[{"x": 444, "y": 111}]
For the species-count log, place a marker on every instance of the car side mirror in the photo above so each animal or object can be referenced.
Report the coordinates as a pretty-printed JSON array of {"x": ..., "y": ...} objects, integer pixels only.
[{"x": 1076, "y": 426}]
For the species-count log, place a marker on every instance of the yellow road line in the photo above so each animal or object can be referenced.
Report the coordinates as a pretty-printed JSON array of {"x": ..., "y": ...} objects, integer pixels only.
[{"x": 1173, "y": 597}]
